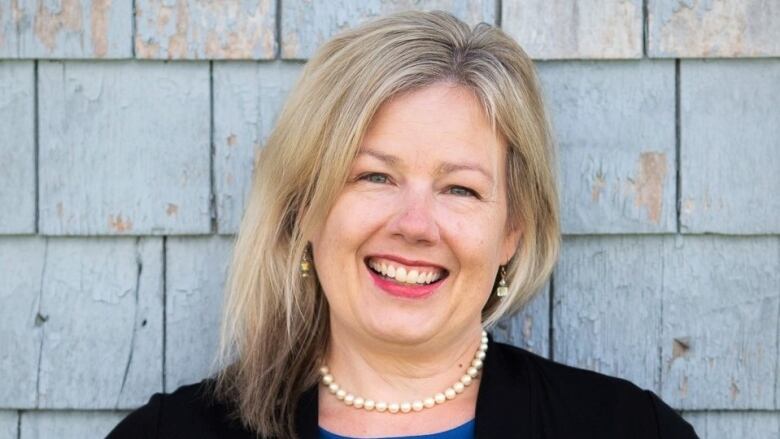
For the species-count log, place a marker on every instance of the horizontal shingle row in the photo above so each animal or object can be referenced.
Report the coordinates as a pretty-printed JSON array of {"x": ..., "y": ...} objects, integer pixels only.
[
  {"x": 693, "y": 318},
  {"x": 123, "y": 147},
  {"x": 253, "y": 29}
]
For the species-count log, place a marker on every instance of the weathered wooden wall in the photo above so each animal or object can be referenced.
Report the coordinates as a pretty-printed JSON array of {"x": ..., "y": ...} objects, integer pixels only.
[{"x": 128, "y": 128}]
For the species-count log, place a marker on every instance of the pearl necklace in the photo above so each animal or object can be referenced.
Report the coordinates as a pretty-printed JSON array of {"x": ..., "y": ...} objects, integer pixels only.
[{"x": 406, "y": 406}]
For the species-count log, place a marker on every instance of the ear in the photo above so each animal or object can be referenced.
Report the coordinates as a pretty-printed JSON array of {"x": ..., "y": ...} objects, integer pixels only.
[{"x": 509, "y": 246}]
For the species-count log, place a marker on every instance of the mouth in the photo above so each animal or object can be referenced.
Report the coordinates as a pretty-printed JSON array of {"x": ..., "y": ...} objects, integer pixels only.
[{"x": 405, "y": 280}]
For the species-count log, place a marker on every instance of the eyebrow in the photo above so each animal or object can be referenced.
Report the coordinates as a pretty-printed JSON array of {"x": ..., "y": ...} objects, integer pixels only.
[{"x": 443, "y": 168}]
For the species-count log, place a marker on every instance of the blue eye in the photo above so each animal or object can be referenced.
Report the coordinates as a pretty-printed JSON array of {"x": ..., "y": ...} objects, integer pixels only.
[
  {"x": 370, "y": 177},
  {"x": 463, "y": 191}
]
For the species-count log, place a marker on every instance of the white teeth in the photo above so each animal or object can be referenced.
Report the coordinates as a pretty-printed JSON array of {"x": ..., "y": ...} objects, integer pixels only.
[{"x": 401, "y": 275}]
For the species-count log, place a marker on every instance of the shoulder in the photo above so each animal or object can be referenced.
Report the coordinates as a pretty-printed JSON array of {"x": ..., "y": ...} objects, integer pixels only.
[
  {"x": 607, "y": 405},
  {"x": 189, "y": 411}
]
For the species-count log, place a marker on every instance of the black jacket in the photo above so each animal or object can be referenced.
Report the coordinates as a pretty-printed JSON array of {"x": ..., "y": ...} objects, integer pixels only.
[{"x": 521, "y": 395}]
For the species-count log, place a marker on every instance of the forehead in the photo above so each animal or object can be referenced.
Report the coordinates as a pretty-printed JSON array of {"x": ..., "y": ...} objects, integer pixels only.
[{"x": 440, "y": 120}]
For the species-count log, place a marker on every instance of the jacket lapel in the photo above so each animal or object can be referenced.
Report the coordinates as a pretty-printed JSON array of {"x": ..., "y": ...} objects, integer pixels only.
[
  {"x": 503, "y": 400},
  {"x": 306, "y": 422}
]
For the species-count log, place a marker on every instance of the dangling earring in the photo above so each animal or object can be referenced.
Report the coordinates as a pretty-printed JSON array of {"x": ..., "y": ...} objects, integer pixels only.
[
  {"x": 305, "y": 265},
  {"x": 502, "y": 289}
]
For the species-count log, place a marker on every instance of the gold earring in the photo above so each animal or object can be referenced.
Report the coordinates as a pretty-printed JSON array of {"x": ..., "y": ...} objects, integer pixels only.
[
  {"x": 502, "y": 289},
  {"x": 305, "y": 265}
]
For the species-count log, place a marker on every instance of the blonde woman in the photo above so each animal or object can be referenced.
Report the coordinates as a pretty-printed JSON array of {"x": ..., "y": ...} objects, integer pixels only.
[{"x": 405, "y": 201}]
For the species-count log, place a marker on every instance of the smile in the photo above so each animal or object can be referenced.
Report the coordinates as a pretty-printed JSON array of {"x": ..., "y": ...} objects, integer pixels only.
[{"x": 405, "y": 275}]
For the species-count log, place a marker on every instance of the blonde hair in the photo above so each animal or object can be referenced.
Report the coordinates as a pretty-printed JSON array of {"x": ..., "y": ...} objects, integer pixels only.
[{"x": 275, "y": 326}]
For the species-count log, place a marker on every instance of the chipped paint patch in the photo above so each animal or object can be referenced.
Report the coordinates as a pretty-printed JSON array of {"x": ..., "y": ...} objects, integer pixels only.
[
  {"x": 563, "y": 29},
  {"x": 229, "y": 29},
  {"x": 714, "y": 28},
  {"x": 99, "y": 22},
  {"x": 649, "y": 185},
  {"x": 120, "y": 224},
  {"x": 48, "y": 24},
  {"x": 680, "y": 347},
  {"x": 232, "y": 140}
]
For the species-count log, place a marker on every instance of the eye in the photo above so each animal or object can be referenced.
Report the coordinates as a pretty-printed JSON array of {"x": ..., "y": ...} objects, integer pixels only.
[
  {"x": 374, "y": 177},
  {"x": 463, "y": 191}
]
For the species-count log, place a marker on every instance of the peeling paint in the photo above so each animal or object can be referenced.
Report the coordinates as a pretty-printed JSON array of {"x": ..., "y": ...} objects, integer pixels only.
[
  {"x": 563, "y": 29},
  {"x": 120, "y": 224},
  {"x": 649, "y": 185},
  {"x": 99, "y": 22},
  {"x": 715, "y": 28},
  {"x": 232, "y": 140},
  {"x": 680, "y": 347},
  {"x": 145, "y": 49},
  {"x": 177, "y": 43},
  {"x": 216, "y": 30},
  {"x": 48, "y": 25}
]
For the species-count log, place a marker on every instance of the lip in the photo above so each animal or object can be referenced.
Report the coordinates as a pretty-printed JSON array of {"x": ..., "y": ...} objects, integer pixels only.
[{"x": 419, "y": 291}]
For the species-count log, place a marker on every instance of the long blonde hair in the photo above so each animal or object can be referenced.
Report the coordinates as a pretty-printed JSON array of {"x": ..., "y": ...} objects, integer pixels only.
[{"x": 275, "y": 326}]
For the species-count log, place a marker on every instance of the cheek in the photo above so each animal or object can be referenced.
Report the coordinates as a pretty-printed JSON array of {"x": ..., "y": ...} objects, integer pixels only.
[
  {"x": 349, "y": 224},
  {"x": 474, "y": 240}
]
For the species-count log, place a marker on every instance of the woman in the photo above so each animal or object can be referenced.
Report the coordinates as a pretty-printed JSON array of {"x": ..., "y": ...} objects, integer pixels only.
[{"x": 405, "y": 200}]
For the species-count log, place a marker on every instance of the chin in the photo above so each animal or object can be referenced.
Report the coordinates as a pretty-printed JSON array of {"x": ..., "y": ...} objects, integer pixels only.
[{"x": 399, "y": 327}]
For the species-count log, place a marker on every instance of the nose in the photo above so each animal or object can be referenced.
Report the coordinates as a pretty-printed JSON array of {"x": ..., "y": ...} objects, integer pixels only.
[{"x": 415, "y": 220}]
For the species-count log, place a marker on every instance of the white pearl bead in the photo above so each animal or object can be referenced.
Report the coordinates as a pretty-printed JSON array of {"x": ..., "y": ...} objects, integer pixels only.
[
  {"x": 477, "y": 363},
  {"x": 324, "y": 370},
  {"x": 358, "y": 403},
  {"x": 381, "y": 406},
  {"x": 369, "y": 404},
  {"x": 349, "y": 399},
  {"x": 483, "y": 347},
  {"x": 480, "y": 355},
  {"x": 458, "y": 387},
  {"x": 449, "y": 393},
  {"x": 406, "y": 407},
  {"x": 341, "y": 394},
  {"x": 393, "y": 407},
  {"x": 333, "y": 388},
  {"x": 439, "y": 398},
  {"x": 466, "y": 380},
  {"x": 429, "y": 402},
  {"x": 472, "y": 372},
  {"x": 327, "y": 379},
  {"x": 417, "y": 405}
]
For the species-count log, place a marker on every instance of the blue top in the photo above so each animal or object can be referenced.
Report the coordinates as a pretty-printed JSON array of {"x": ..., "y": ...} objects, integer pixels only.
[{"x": 463, "y": 431}]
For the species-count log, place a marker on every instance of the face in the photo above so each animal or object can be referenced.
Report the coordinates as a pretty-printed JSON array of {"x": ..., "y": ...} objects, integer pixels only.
[{"x": 426, "y": 196}]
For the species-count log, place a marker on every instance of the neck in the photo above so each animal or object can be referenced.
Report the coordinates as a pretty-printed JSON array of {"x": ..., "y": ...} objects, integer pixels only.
[{"x": 392, "y": 371}]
